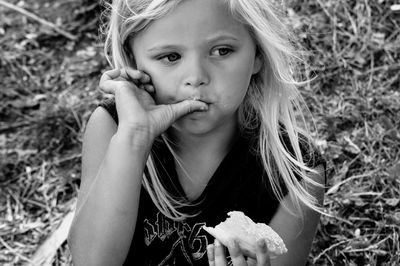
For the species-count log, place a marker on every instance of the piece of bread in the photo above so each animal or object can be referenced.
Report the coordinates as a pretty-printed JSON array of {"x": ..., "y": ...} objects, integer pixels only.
[{"x": 241, "y": 228}]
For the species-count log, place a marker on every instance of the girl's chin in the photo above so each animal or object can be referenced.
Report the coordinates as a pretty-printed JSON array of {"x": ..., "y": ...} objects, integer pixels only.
[{"x": 190, "y": 124}]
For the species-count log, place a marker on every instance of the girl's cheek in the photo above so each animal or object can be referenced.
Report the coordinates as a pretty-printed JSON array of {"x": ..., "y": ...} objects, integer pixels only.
[
  {"x": 163, "y": 95},
  {"x": 165, "y": 88},
  {"x": 161, "y": 99}
]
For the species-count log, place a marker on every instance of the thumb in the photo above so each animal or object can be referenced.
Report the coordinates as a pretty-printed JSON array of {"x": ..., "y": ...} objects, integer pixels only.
[
  {"x": 168, "y": 114},
  {"x": 185, "y": 107}
]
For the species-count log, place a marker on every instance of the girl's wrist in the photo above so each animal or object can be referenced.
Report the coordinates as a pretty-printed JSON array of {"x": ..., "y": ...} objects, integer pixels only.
[{"x": 136, "y": 140}]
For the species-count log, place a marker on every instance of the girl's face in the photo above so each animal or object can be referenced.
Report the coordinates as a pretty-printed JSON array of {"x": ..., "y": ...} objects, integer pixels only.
[{"x": 198, "y": 51}]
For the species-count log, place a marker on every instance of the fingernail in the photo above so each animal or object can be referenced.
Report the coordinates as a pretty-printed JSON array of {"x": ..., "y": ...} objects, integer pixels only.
[
  {"x": 149, "y": 87},
  {"x": 128, "y": 71},
  {"x": 219, "y": 250},
  {"x": 145, "y": 76},
  {"x": 234, "y": 245},
  {"x": 204, "y": 107},
  {"x": 261, "y": 243},
  {"x": 210, "y": 252}
]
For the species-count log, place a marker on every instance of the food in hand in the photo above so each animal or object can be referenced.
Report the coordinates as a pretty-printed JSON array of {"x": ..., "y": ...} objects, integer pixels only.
[{"x": 241, "y": 228}]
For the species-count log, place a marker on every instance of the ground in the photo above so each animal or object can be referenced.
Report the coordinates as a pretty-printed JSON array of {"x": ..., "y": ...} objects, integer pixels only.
[{"x": 49, "y": 88}]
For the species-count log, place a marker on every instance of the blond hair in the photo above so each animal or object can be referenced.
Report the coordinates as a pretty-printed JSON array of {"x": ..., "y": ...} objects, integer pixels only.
[{"x": 270, "y": 106}]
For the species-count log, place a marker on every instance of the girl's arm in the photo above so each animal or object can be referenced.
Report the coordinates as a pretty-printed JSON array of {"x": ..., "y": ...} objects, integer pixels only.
[
  {"x": 106, "y": 211},
  {"x": 113, "y": 162},
  {"x": 298, "y": 234}
]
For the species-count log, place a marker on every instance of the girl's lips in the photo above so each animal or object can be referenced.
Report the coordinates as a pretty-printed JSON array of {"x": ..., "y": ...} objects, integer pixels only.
[
  {"x": 197, "y": 114},
  {"x": 200, "y": 113},
  {"x": 200, "y": 100}
]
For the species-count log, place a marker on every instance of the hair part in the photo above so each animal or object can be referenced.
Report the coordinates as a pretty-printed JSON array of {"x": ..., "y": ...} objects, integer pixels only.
[{"x": 273, "y": 104}]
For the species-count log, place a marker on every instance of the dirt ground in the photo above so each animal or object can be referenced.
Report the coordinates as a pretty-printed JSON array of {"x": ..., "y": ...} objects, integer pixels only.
[{"x": 48, "y": 89}]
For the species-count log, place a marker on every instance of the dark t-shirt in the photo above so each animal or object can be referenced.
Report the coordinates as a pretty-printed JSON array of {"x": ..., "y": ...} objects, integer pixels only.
[{"x": 239, "y": 184}]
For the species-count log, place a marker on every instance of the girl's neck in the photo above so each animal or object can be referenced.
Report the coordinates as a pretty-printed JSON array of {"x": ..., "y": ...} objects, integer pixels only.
[
  {"x": 200, "y": 155},
  {"x": 218, "y": 141}
]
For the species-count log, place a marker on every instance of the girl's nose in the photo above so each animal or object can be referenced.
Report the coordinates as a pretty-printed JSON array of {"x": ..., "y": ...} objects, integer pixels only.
[{"x": 196, "y": 74}]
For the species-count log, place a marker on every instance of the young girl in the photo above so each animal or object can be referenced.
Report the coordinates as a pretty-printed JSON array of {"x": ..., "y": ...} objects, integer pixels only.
[{"x": 203, "y": 122}]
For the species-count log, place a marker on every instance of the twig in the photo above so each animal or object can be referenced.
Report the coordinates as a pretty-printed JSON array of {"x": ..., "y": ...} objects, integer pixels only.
[
  {"x": 384, "y": 68},
  {"x": 40, "y": 20},
  {"x": 369, "y": 248},
  {"x": 4, "y": 243},
  {"x": 340, "y": 219},
  {"x": 327, "y": 249},
  {"x": 335, "y": 187},
  {"x": 45, "y": 253},
  {"x": 4, "y": 129},
  {"x": 69, "y": 158}
]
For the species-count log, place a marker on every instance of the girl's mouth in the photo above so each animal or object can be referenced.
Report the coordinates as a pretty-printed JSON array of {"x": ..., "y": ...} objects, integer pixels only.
[{"x": 199, "y": 99}]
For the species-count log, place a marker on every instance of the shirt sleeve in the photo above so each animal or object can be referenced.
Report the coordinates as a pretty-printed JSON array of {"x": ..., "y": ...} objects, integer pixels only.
[{"x": 109, "y": 105}]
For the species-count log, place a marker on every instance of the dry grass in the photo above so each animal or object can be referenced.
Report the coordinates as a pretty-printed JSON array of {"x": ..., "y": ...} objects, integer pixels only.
[
  {"x": 48, "y": 90},
  {"x": 355, "y": 100}
]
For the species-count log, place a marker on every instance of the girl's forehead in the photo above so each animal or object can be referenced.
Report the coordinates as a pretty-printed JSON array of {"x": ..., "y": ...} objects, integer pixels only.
[{"x": 194, "y": 20}]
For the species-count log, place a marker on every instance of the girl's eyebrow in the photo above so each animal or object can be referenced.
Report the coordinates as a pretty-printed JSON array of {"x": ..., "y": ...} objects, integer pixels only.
[
  {"x": 222, "y": 37},
  {"x": 164, "y": 47},
  {"x": 215, "y": 38}
]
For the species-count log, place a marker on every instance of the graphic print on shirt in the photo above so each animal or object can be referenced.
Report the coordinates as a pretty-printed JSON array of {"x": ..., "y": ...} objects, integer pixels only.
[{"x": 185, "y": 243}]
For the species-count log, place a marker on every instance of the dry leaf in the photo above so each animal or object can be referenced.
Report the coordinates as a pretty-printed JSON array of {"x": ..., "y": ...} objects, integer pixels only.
[
  {"x": 392, "y": 202},
  {"x": 395, "y": 8},
  {"x": 394, "y": 170}
]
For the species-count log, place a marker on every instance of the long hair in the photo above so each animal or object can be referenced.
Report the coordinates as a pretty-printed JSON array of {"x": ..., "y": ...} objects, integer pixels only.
[{"x": 272, "y": 106}]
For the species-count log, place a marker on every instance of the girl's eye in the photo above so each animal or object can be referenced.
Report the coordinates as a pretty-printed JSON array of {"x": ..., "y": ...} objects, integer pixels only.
[
  {"x": 170, "y": 58},
  {"x": 222, "y": 51}
]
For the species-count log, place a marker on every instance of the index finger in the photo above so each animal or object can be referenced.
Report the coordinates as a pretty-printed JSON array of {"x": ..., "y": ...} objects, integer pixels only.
[
  {"x": 135, "y": 74},
  {"x": 211, "y": 255},
  {"x": 219, "y": 254},
  {"x": 110, "y": 74}
]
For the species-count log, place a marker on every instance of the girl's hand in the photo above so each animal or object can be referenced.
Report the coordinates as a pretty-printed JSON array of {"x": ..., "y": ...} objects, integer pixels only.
[
  {"x": 216, "y": 255},
  {"x": 137, "y": 111}
]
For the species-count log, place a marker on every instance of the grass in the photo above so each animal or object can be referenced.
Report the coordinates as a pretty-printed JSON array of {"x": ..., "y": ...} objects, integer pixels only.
[{"x": 48, "y": 90}]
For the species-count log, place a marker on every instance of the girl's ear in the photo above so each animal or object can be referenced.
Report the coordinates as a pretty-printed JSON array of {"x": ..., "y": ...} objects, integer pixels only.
[{"x": 257, "y": 64}]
